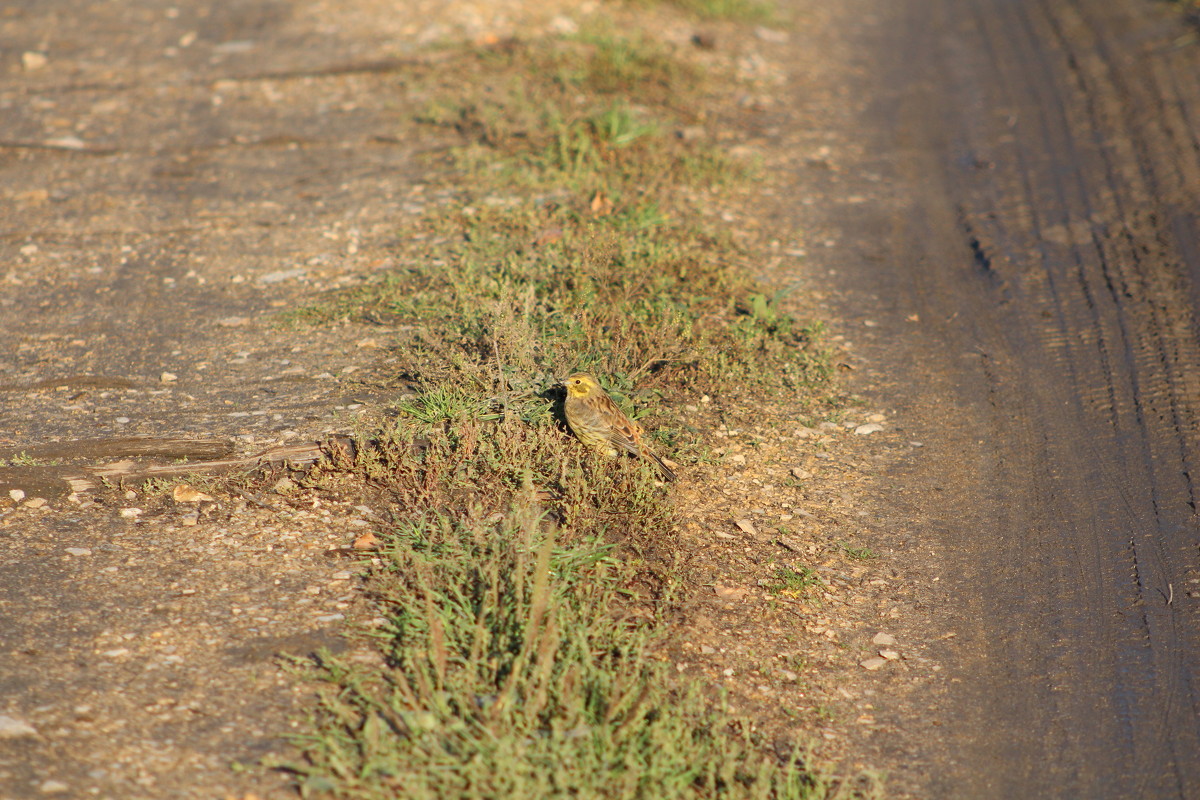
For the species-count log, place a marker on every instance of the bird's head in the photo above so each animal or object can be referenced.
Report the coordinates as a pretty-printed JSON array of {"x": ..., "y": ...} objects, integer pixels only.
[{"x": 581, "y": 385}]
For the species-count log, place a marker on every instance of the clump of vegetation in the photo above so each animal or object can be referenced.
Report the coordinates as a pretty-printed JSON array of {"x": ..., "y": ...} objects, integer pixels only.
[
  {"x": 795, "y": 582},
  {"x": 578, "y": 238},
  {"x": 518, "y": 648},
  {"x": 759, "y": 11}
]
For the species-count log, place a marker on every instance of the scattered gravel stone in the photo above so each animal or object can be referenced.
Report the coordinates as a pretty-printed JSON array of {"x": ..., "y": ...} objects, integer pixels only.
[
  {"x": 185, "y": 493},
  {"x": 746, "y": 526},
  {"x": 872, "y": 663},
  {"x": 800, "y": 474},
  {"x": 35, "y": 502},
  {"x": 890, "y": 655},
  {"x": 285, "y": 486},
  {"x": 79, "y": 551},
  {"x": 790, "y": 543},
  {"x": 282, "y": 275},
  {"x": 730, "y": 592},
  {"x": 66, "y": 143},
  {"x": 17, "y": 495},
  {"x": 32, "y": 59},
  {"x": 368, "y": 541},
  {"x": 116, "y": 652},
  {"x": 828, "y": 427},
  {"x": 771, "y": 35},
  {"x": 330, "y": 617},
  {"x": 130, "y": 513},
  {"x": 168, "y": 377},
  {"x": 13, "y": 728},
  {"x": 708, "y": 649},
  {"x": 189, "y": 519},
  {"x": 883, "y": 640},
  {"x": 869, "y": 428},
  {"x": 53, "y": 787}
]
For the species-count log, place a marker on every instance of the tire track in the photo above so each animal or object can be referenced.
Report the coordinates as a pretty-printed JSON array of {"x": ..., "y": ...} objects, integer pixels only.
[{"x": 1070, "y": 258}]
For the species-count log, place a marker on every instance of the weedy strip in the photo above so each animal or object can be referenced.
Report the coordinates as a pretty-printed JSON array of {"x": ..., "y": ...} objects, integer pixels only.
[{"x": 518, "y": 659}]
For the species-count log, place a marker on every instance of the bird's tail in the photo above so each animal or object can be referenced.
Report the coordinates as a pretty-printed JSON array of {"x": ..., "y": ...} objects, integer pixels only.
[{"x": 650, "y": 455}]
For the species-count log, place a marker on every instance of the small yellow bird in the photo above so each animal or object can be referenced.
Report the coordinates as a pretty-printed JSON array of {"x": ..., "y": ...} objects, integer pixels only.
[{"x": 597, "y": 422}]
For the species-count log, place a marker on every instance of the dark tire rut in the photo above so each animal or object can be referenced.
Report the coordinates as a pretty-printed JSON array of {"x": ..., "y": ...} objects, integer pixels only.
[{"x": 1046, "y": 170}]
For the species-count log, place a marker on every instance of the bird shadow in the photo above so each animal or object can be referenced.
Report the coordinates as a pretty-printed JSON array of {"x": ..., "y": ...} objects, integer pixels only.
[{"x": 557, "y": 397}]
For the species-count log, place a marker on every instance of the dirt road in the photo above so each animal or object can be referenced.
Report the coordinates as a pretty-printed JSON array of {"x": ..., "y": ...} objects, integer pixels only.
[
  {"x": 1009, "y": 190},
  {"x": 1034, "y": 270}
]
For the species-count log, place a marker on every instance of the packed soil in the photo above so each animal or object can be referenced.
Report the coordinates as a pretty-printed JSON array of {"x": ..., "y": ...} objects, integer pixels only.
[{"x": 993, "y": 204}]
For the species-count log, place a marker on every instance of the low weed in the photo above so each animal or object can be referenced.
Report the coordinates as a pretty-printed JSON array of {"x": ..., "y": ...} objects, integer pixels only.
[
  {"x": 577, "y": 240},
  {"x": 751, "y": 11},
  {"x": 858, "y": 553},
  {"x": 794, "y": 582},
  {"x": 518, "y": 659}
]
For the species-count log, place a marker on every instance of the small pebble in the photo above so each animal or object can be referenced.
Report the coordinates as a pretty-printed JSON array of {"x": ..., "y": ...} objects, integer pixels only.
[
  {"x": 79, "y": 551},
  {"x": 130, "y": 513},
  {"x": 872, "y": 663},
  {"x": 35, "y": 502},
  {"x": 883, "y": 640},
  {"x": 13, "y": 728},
  {"x": 186, "y": 493},
  {"x": 17, "y": 495},
  {"x": 31, "y": 60},
  {"x": 890, "y": 655},
  {"x": 368, "y": 541},
  {"x": 869, "y": 428},
  {"x": 708, "y": 650},
  {"x": 53, "y": 787}
]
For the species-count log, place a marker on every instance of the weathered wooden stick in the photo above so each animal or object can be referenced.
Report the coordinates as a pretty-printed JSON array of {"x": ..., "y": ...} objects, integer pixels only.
[{"x": 57, "y": 480}]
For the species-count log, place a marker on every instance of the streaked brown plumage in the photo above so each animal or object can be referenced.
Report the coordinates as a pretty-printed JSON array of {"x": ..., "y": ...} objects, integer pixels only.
[{"x": 597, "y": 422}]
